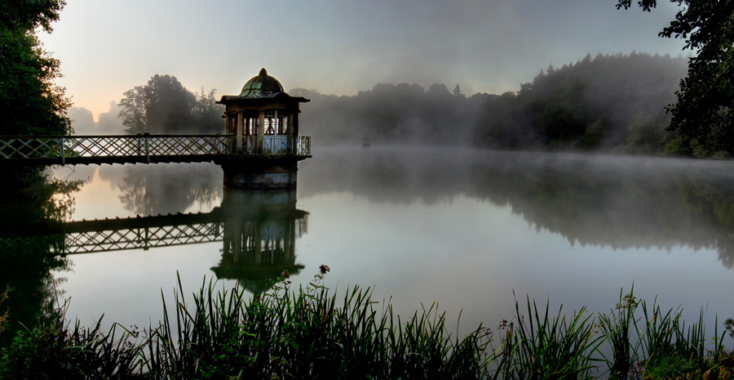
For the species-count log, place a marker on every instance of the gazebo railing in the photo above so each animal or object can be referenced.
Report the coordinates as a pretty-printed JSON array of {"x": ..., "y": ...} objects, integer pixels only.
[
  {"x": 275, "y": 145},
  {"x": 303, "y": 146}
]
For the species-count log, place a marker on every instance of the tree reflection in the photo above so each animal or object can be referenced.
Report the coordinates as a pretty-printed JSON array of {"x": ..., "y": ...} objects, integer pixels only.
[
  {"x": 26, "y": 268},
  {"x": 169, "y": 188},
  {"x": 621, "y": 202}
]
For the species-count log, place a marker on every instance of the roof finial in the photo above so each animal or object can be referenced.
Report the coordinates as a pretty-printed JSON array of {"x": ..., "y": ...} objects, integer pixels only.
[{"x": 263, "y": 72}]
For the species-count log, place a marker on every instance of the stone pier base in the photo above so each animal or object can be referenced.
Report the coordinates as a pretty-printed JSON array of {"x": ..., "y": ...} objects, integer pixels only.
[
  {"x": 240, "y": 200},
  {"x": 260, "y": 174}
]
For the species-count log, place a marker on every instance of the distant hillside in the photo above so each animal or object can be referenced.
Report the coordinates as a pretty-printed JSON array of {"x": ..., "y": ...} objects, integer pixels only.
[
  {"x": 608, "y": 102},
  {"x": 390, "y": 114}
]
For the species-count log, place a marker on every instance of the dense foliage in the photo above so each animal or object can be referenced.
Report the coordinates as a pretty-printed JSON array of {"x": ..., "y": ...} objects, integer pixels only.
[
  {"x": 608, "y": 102},
  {"x": 164, "y": 105},
  {"x": 703, "y": 114},
  {"x": 30, "y": 103}
]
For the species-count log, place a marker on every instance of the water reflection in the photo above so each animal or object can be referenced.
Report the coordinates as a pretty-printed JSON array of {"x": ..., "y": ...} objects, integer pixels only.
[
  {"x": 168, "y": 188},
  {"x": 259, "y": 236},
  {"x": 26, "y": 262},
  {"x": 258, "y": 230},
  {"x": 621, "y": 202}
]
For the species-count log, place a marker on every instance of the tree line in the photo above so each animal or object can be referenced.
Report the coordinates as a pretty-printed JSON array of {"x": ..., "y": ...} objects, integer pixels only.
[
  {"x": 610, "y": 102},
  {"x": 390, "y": 114},
  {"x": 164, "y": 105}
]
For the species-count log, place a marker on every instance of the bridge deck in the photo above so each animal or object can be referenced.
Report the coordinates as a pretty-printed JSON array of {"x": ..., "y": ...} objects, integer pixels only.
[{"x": 62, "y": 150}]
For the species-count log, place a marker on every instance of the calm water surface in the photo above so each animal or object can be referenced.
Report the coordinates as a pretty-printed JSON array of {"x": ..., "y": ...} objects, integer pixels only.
[{"x": 461, "y": 228}]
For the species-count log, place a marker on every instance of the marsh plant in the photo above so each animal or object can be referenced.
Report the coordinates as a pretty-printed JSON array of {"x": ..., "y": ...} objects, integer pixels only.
[
  {"x": 304, "y": 332},
  {"x": 301, "y": 333},
  {"x": 650, "y": 343},
  {"x": 541, "y": 346}
]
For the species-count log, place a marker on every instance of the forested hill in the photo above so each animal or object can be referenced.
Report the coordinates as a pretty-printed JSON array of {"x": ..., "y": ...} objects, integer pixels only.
[
  {"x": 390, "y": 114},
  {"x": 608, "y": 102}
]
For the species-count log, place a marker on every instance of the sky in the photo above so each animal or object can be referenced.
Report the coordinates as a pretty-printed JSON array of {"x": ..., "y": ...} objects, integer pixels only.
[{"x": 338, "y": 46}]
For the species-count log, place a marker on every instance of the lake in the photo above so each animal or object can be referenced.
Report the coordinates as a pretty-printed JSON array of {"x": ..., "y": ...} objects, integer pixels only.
[{"x": 469, "y": 230}]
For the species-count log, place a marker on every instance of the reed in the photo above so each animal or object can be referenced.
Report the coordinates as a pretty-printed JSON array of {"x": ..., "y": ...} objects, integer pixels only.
[
  {"x": 539, "y": 346},
  {"x": 617, "y": 328},
  {"x": 306, "y": 333},
  {"x": 56, "y": 350},
  {"x": 302, "y": 334}
]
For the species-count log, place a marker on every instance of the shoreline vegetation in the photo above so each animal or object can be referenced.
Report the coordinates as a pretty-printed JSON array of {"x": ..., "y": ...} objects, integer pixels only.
[{"x": 302, "y": 333}]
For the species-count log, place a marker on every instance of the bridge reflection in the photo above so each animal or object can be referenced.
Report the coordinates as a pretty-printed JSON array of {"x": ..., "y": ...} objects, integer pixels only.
[{"x": 258, "y": 230}]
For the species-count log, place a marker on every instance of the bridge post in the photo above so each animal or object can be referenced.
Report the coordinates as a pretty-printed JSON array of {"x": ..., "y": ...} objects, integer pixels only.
[
  {"x": 147, "y": 239},
  {"x": 147, "y": 150},
  {"x": 63, "y": 156}
]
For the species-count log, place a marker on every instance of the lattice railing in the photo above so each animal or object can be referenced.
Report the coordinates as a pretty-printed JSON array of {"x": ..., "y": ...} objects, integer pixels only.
[
  {"x": 64, "y": 147},
  {"x": 165, "y": 236},
  {"x": 116, "y": 240},
  {"x": 15, "y": 147}
]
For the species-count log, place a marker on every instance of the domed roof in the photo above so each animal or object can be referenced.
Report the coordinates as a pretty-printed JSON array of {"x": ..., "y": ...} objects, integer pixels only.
[{"x": 262, "y": 86}]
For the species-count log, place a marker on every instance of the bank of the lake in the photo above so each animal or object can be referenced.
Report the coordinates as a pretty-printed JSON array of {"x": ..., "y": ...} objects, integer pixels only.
[{"x": 304, "y": 333}]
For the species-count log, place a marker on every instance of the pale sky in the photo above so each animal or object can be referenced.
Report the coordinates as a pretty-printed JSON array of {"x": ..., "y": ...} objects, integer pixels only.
[{"x": 337, "y": 46}]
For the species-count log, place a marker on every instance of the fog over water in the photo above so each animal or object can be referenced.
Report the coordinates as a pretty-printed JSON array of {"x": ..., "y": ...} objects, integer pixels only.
[{"x": 460, "y": 227}]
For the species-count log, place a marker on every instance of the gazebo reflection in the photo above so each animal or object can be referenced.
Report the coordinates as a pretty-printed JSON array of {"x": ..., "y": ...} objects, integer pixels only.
[{"x": 259, "y": 236}]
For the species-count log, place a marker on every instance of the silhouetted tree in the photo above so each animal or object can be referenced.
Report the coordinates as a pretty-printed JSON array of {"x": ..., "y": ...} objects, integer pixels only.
[
  {"x": 207, "y": 113},
  {"x": 703, "y": 114},
  {"x": 164, "y": 105},
  {"x": 30, "y": 103}
]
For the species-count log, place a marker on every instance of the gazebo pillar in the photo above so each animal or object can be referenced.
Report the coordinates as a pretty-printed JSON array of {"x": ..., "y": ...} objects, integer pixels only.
[
  {"x": 240, "y": 129},
  {"x": 291, "y": 140}
]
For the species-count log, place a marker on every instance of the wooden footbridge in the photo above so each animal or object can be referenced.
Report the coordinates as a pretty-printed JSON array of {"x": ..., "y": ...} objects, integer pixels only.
[{"x": 145, "y": 148}]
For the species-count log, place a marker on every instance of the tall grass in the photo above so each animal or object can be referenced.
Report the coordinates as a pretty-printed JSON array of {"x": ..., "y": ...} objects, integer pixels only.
[
  {"x": 543, "y": 347},
  {"x": 651, "y": 343},
  {"x": 305, "y": 333},
  {"x": 57, "y": 350},
  {"x": 302, "y": 334},
  {"x": 617, "y": 328}
]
